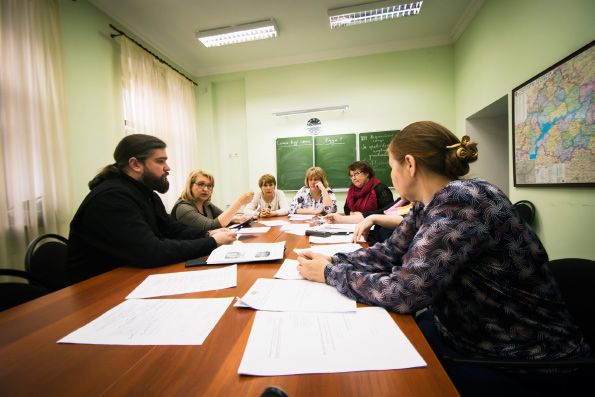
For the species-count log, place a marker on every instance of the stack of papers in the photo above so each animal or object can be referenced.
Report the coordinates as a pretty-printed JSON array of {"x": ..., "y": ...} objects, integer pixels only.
[{"x": 254, "y": 252}]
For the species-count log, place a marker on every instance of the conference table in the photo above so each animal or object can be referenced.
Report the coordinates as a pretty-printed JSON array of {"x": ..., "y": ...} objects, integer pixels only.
[{"x": 32, "y": 363}]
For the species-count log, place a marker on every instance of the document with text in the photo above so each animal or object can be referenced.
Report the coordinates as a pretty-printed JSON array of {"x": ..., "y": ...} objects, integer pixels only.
[
  {"x": 186, "y": 282},
  {"x": 153, "y": 322},
  {"x": 367, "y": 340},
  {"x": 253, "y": 252},
  {"x": 295, "y": 295}
]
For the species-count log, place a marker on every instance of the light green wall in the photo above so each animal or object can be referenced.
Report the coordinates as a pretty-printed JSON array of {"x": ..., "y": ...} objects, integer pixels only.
[
  {"x": 507, "y": 43},
  {"x": 384, "y": 92},
  {"x": 93, "y": 90}
]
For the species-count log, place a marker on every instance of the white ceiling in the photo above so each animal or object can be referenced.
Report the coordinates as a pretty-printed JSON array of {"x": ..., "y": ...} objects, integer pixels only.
[{"x": 305, "y": 36}]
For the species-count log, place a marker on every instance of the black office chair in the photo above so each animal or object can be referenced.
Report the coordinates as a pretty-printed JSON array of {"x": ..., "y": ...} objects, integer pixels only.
[
  {"x": 46, "y": 257},
  {"x": 527, "y": 210},
  {"x": 575, "y": 279},
  {"x": 15, "y": 293}
]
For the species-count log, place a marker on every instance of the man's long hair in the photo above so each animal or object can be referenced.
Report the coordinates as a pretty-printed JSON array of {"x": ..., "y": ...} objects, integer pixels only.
[{"x": 140, "y": 146}]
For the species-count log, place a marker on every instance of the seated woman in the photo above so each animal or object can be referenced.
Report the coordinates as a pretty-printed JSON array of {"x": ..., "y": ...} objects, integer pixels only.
[
  {"x": 366, "y": 192},
  {"x": 465, "y": 250},
  {"x": 194, "y": 207},
  {"x": 387, "y": 219},
  {"x": 316, "y": 197},
  {"x": 269, "y": 201}
]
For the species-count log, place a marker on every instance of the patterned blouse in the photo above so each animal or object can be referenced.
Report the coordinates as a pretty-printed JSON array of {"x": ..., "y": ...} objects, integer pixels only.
[
  {"x": 303, "y": 199},
  {"x": 470, "y": 255}
]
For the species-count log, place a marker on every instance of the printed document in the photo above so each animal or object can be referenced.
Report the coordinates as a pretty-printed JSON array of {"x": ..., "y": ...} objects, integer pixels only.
[
  {"x": 153, "y": 322},
  {"x": 314, "y": 343},
  {"x": 295, "y": 296},
  {"x": 254, "y": 252},
  {"x": 186, "y": 282},
  {"x": 334, "y": 239},
  {"x": 288, "y": 271},
  {"x": 330, "y": 249},
  {"x": 253, "y": 230},
  {"x": 274, "y": 223}
]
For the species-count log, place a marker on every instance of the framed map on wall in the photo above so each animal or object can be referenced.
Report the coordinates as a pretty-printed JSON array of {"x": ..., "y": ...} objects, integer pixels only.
[{"x": 553, "y": 117}]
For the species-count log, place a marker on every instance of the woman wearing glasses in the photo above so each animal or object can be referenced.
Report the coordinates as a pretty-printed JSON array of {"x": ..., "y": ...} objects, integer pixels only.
[
  {"x": 194, "y": 207},
  {"x": 366, "y": 192}
]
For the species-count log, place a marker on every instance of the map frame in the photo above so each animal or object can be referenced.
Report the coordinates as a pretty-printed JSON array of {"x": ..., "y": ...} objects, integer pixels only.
[{"x": 545, "y": 78}]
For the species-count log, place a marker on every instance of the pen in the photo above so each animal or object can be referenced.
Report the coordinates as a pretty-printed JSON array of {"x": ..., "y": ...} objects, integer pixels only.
[{"x": 239, "y": 228}]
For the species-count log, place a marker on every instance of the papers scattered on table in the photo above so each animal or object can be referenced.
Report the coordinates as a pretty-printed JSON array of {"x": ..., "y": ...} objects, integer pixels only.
[
  {"x": 288, "y": 271},
  {"x": 311, "y": 343},
  {"x": 334, "y": 239},
  {"x": 186, "y": 282},
  {"x": 251, "y": 230},
  {"x": 153, "y": 322},
  {"x": 331, "y": 249},
  {"x": 254, "y": 252},
  {"x": 274, "y": 223},
  {"x": 295, "y": 296}
]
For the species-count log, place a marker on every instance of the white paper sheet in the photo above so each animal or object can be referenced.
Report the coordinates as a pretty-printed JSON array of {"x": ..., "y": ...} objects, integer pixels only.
[
  {"x": 300, "y": 217},
  {"x": 274, "y": 223},
  {"x": 335, "y": 239},
  {"x": 186, "y": 282},
  {"x": 296, "y": 296},
  {"x": 288, "y": 271},
  {"x": 339, "y": 227},
  {"x": 330, "y": 249},
  {"x": 253, "y": 230},
  {"x": 153, "y": 322},
  {"x": 253, "y": 252},
  {"x": 310, "y": 343}
]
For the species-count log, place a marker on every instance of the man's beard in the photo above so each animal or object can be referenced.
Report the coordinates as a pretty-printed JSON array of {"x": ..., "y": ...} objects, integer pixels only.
[{"x": 159, "y": 184}]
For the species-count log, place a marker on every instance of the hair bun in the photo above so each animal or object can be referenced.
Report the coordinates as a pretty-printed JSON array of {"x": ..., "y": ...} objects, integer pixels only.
[{"x": 467, "y": 150}]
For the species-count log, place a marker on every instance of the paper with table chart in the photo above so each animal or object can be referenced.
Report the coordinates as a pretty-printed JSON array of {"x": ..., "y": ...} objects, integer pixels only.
[
  {"x": 186, "y": 282},
  {"x": 330, "y": 249},
  {"x": 367, "y": 340},
  {"x": 153, "y": 322},
  {"x": 296, "y": 296},
  {"x": 253, "y": 252}
]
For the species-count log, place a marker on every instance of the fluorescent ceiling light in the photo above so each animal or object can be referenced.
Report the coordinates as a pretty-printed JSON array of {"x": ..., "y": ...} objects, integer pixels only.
[
  {"x": 310, "y": 109},
  {"x": 371, "y": 12},
  {"x": 238, "y": 33}
]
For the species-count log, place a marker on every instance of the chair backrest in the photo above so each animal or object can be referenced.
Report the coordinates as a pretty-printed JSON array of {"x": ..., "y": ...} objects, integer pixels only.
[
  {"x": 46, "y": 257},
  {"x": 575, "y": 278},
  {"x": 15, "y": 293},
  {"x": 526, "y": 209}
]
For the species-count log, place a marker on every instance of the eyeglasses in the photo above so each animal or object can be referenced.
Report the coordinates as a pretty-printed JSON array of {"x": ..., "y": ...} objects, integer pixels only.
[
  {"x": 355, "y": 174},
  {"x": 202, "y": 185}
]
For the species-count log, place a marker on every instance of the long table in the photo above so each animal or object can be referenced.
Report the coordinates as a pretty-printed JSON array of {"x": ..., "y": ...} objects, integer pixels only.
[{"x": 32, "y": 363}]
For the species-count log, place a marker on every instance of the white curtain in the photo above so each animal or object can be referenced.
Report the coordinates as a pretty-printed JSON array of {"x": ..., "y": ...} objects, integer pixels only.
[
  {"x": 159, "y": 101},
  {"x": 34, "y": 168}
]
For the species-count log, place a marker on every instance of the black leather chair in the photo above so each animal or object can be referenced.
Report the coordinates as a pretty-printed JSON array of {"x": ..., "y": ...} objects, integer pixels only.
[
  {"x": 14, "y": 293},
  {"x": 527, "y": 210},
  {"x": 46, "y": 257},
  {"x": 575, "y": 278}
]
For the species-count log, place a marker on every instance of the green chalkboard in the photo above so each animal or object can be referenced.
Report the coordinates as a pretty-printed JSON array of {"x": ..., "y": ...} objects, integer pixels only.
[
  {"x": 294, "y": 157},
  {"x": 372, "y": 148},
  {"x": 333, "y": 153}
]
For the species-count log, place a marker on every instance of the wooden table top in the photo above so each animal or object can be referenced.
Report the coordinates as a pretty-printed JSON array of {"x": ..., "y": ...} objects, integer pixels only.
[{"x": 32, "y": 363}]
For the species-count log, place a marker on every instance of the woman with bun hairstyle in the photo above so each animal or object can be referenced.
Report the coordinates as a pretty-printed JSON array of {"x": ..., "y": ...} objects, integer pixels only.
[{"x": 464, "y": 251}]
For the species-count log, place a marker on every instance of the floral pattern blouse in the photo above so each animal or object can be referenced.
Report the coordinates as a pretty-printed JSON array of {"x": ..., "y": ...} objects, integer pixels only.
[{"x": 303, "y": 199}]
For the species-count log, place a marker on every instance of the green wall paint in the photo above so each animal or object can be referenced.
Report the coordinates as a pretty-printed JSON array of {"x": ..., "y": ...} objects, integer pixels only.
[{"x": 507, "y": 43}]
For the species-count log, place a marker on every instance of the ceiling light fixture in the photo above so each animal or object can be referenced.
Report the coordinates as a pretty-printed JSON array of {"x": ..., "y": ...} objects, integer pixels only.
[
  {"x": 239, "y": 33},
  {"x": 371, "y": 12},
  {"x": 342, "y": 106}
]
